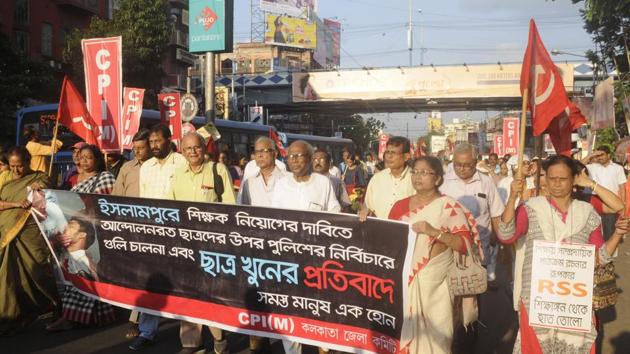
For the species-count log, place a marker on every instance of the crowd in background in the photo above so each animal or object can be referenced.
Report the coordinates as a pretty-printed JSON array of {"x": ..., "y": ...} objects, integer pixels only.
[{"x": 453, "y": 204}]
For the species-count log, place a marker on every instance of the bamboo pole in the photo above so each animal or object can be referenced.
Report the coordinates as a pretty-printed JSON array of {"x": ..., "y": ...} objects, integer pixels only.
[
  {"x": 521, "y": 145},
  {"x": 53, "y": 144}
]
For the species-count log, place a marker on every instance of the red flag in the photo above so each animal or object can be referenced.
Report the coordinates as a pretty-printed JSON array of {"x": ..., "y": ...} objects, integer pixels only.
[
  {"x": 274, "y": 136},
  {"x": 547, "y": 96},
  {"x": 132, "y": 110},
  {"x": 171, "y": 113},
  {"x": 560, "y": 129},
  {"x": 73, "y": 113}
]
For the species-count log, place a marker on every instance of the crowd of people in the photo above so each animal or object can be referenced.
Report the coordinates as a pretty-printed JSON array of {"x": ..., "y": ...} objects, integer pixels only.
[{"x": 450, "y": 204}]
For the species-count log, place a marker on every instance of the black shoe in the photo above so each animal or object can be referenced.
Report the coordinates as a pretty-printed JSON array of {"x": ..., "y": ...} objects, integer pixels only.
[{"x": 141, "y": 343}]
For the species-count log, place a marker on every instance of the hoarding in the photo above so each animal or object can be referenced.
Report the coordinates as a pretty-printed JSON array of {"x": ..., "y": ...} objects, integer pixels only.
[
  {"x": 211, "y": 26},
  {"x": 328, "y": 37},
  {"x": 295, "y": 8},
  {"x": 290, "y": 32},
  {"x": 454, "y": 81}
]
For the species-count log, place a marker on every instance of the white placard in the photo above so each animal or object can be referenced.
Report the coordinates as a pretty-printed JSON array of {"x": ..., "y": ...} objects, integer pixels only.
[{"x": 561, "y": 294}]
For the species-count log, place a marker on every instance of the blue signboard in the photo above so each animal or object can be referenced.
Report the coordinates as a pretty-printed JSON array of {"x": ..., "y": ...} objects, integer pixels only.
[{"x": 210, "y": 25}]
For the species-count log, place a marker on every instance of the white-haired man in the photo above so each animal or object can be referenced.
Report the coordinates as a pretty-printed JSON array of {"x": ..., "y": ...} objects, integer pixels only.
[{"x": 479, "y": 195}]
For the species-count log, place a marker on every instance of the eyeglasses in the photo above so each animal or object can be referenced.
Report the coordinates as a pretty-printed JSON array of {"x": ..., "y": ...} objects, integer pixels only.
[
  {"x": 422, "y": 173},
  {"x": 464, "y": 166},
  {"x": 320, "y": 159},
  {"x": 296, "y": 156},
  {"x": 193, "y": 148},
  {"x": 263, "y": 151}
]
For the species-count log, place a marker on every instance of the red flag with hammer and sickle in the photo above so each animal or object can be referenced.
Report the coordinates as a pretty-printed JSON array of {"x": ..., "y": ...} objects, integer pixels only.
[{"x": 547, "y": 96}]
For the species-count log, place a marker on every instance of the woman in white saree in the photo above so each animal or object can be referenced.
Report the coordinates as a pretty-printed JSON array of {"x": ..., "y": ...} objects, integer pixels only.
[{"x": 441, "y": 224}]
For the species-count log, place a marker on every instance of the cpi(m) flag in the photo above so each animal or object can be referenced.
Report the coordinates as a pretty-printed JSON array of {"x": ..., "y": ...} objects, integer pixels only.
[
  {"x": 102, "y": 61},
  {"x": 560, "y": 129},
  {"x": 276, "y": 139},
  {"x": 171, "y": 113},
  {"x": 132, "y": 111},
  {"x": 73, "y": 114},
  {"x": 547, "y": 96}
]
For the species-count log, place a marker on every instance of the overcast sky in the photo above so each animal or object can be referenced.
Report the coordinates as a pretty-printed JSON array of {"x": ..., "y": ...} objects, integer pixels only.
[{"x": 450, "y": 31}]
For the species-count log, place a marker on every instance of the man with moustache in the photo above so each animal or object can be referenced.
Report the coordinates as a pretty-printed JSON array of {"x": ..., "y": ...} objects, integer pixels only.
[
  {"x": 391, "y": 184},
  {"x": 321, "y": 165},
  {"x": 155, "y": 182},
  {"x": 257, "y": 189}
]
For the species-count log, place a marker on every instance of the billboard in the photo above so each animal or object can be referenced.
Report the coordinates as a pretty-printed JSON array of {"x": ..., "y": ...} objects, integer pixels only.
[
  {"x": 295, "y": 8},
  {"x": 334, "y": 28},
  {"x": 211, "y": 26},
  {"x": 290, "y": 32},
  {"x": 327, "y": 48},
  {"x": 455, "y": 81}
]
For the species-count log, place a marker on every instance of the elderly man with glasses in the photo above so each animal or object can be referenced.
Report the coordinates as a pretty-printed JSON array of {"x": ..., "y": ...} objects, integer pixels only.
[
  {"x": 477, "y": 192},
  {"x": 257, "y": 189}
]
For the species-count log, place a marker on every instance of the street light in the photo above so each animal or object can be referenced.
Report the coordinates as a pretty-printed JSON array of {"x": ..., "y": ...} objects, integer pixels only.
[{"x": 561, "y": 52}]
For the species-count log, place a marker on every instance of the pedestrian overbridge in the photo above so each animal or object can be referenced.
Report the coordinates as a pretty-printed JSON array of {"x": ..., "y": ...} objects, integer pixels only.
[{"x": 401, "y": 89}]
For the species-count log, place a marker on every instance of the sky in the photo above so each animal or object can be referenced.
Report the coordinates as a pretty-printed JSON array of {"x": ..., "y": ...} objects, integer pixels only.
[{"x": 445, "y": 32}]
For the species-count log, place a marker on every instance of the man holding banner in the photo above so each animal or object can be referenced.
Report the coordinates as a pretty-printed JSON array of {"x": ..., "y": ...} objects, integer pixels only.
[{"x": 195, "y": 182}]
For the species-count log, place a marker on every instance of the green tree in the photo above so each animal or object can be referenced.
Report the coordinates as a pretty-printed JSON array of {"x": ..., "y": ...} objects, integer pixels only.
[
  {"x": 22, "y": 81},
  {"x": 145, "y": 31},
  {"x": 608, "y": 21},
  {"x": 362, "y": 131}
]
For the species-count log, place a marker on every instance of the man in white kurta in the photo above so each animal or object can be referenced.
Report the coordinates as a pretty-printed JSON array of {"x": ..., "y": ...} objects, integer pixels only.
[{"x": 303, "y": 190}]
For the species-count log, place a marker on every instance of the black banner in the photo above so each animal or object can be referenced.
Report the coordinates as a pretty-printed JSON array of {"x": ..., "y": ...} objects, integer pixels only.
[{"x": 317, "y": 278}]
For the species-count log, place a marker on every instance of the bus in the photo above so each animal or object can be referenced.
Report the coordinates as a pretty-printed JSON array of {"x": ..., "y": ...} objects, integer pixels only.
[{"x": 237, "y": 137}]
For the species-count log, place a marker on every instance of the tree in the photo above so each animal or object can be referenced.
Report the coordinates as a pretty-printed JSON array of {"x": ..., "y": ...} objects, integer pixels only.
[
  {"x": 362, "y": 131},
  {"x": 21, "y": 81},
  {"x": 608, "y": 21},
  {"x": 145, "y": 31}
]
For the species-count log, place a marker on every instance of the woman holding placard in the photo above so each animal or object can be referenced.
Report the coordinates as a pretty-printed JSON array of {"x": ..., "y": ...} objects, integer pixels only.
[{"x": 553, "y": 222}]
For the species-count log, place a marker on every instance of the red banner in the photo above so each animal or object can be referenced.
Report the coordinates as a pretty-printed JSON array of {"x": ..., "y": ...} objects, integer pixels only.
[
  {"x": 498, "y": 145},
  {"x": 102, "y": 62},
  {"x": 132, "y": 110},
  {"x": 382, "y": 144},
  {"x": 510, "y": 136},
  {"x": 171, "y": 113}
]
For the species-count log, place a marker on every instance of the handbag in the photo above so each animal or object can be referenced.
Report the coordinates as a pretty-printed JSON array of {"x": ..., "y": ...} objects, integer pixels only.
[
  {"x": 467, "y": 276},
  {"x": 605, "y": 290}
]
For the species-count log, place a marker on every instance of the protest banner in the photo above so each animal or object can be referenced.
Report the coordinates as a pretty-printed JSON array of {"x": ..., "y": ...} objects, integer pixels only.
[
  {"x": 561, "y": 294},
  {"x": 510, "y": 136},
  {"x": 317, "y": 278},
  {"x": 498, "y": 145},
  {"x": 170, "y": 112},
  {"x": 102, "y": 63},
  {"x": 132, "y": 110}
]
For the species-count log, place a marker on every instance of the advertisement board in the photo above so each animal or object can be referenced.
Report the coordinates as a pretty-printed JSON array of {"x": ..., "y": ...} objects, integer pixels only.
[
  {"x": 211, "y": 26},
  {"x": 454, "y": 81},
  {"x": 290, "y": 32},
  {"x": 295, "y": 8}
]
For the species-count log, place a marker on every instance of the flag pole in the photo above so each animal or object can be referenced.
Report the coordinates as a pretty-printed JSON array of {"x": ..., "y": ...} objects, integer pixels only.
[
  {"x": 53, "y": 144},
  {"x": 521, "y": 145}
]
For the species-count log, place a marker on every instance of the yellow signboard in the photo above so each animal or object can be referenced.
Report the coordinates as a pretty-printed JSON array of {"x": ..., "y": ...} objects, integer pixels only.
[{"x": 290, "y": 31}]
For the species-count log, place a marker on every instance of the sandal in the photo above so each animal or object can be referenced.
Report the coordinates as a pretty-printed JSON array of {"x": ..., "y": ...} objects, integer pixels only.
[{"x": 60, "y": 325}]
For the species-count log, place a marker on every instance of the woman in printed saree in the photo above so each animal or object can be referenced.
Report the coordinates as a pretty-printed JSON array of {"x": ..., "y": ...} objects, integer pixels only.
[
  {"x": 441, "y": 224},
  {"x": 27, "y": 284},
  {"x": 559, "y": 218},
  {"x": 76, "y": 307}
]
